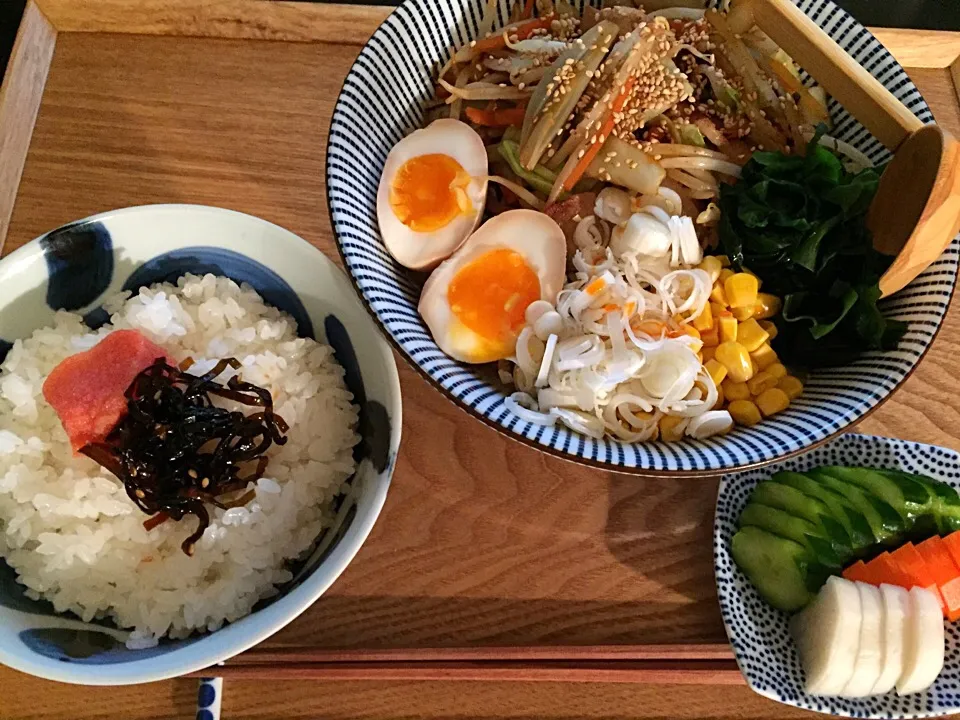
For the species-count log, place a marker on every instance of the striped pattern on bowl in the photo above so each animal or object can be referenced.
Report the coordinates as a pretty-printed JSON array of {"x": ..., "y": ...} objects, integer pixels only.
[{"x": 382, "y": 101}]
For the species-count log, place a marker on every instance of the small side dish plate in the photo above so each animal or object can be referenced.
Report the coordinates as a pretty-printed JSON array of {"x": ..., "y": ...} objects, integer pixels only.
[{"x": 760, "y": 636}]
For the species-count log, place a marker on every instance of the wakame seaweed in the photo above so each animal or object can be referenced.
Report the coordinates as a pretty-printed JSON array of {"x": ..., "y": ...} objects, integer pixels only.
[
  {"x": 175, "y": 451},
  {"x": 799, "y": 222}
]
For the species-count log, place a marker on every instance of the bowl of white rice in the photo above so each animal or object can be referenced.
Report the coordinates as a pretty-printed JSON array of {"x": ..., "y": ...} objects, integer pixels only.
[{"x": 89, "y": 593}]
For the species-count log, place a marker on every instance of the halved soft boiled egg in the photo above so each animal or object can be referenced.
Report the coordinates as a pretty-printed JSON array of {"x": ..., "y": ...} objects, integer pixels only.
[
  {"x": 432, "y": 193},
  {"x": 474, "y": 303}
]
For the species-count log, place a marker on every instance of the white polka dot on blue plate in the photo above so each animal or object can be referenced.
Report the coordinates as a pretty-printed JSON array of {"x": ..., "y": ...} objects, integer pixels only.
[{"x": 759, "y": 635}]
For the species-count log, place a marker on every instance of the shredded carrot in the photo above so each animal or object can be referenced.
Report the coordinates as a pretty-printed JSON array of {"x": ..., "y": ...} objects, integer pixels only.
[
  {"x": 605, "y": 130},
  {"x": 610, "y": 307},
  {"x": 522, "y": 32},
  {"x": 496, "y": 118},
  {"x": 527, "y": 10}
]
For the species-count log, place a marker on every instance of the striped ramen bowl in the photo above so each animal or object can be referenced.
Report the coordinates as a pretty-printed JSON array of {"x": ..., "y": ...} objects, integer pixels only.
[{"x": 382, "y": 100}]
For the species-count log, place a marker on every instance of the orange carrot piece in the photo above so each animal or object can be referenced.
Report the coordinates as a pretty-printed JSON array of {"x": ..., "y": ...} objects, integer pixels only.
[
  {"x": 942, "y": 567},
  {"x": 581, "y": 167},
  {"x": 950, "y": 591},
  {"x": 912, "y": 564},
  {"x": 884, "y": 569},
  {"x": 521, "y": 32},
  {"x": 496, "y": 118},
  {"x": 858, "y": 572},
  {"x": 527, "y": 10},
  {"x": 952, "y": 543}
]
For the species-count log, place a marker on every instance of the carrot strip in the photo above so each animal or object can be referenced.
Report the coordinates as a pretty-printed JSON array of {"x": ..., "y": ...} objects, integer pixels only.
[
  {"x": 859, "y": 572},
  {"x": 950, "y": 591},
  {"x": 952, "y": 543},
  {"x": 522, "y": 32},
  {"x": 527, "y": 10},
  {"x": 496, "y": 118},
  {"x": 942, "y": 567},
  {"x": 912, "y": 564},
  {"x": 884, "y": 569},
  {"x": 581, "y": 167}
]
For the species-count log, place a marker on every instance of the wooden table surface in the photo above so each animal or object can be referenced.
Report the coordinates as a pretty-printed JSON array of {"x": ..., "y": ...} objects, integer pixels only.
[{"x": 482, "y": 541}]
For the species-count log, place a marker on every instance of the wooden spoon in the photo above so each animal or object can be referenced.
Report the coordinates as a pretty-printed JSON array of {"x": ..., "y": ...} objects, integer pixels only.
[{"x": 916, "y": 211}]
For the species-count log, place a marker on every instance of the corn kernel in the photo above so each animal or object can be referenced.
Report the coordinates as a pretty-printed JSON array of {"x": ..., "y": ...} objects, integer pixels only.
[
  {"x": 717, "y": 295},
  {"x": 744, "y": 412},
  {"x": 742, "y": 314},
  {"x": 711, "y": 265},
  {"x": 741, "y": 289},
  {"x": 724, "y": 275},
  {"x": 716, "y": 369},
  {"x": 691, "y": 331},
  {"x": 704, "y": 321},
  {"x": 772, "y": 401},
  {"x": 718, "y": 310},
  {"x": 707, "y": 353},
  {"x": 767, "y": 306},
  {"x": 728, "y": 328},
  {"x": 770, "y": 327},
  {"x": 735, "y": 390},
  {"x": 672, "y": 427},
  {"x": 724, "y": 260},
  {"x": 754, "y": 367},
  {"x": 718, "y": 405},
  {"x": 791, "y": 386},
  {"x": 751, "y": 335},
  {"x": 711, "y": 337},
  {"x": 777, "y": 370},
  {"x": 736, "y": 359},
  {"x": 761, "y": 382},
  {"x": 748, "y": 271},
  {"x": 764, "y": 356}
]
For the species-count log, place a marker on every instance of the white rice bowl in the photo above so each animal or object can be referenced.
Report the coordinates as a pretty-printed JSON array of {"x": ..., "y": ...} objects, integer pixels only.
[{"x": 67, "y": 526}]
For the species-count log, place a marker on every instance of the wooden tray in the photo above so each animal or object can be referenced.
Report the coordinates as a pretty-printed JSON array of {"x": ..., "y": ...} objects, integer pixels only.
[{"x": 490, "y": 560}]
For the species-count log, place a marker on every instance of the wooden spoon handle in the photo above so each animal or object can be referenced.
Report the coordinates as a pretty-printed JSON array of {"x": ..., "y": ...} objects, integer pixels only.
[{"x": 861, "y": 94}]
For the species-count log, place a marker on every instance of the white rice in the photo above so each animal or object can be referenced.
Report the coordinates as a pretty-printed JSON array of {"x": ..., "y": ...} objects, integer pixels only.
[{"x": 75, "y": 538}]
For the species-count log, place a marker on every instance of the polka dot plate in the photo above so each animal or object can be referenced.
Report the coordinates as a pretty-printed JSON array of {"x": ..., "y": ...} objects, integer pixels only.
[
  {"x": 759, "y": 635},
  {"x": 383, "y": 100}
]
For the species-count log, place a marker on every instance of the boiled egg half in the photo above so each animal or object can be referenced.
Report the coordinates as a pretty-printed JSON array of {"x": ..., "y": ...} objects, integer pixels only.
[
  {"x": 474, "y": 303},
  {"x": 432, "y": 193}
]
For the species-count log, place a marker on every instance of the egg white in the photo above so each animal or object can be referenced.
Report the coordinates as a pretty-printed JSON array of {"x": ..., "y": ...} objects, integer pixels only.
[{"x": 424, "y": 250}]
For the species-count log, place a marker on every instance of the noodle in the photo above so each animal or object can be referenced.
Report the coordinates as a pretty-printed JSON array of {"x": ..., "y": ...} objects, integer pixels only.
[{"x": 701, "y": 163}]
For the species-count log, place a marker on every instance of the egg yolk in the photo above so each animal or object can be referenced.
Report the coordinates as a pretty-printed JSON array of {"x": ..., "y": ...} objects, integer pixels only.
[
  {"x": 429, "y": 191},
  {"x": 490, "y": 294}
]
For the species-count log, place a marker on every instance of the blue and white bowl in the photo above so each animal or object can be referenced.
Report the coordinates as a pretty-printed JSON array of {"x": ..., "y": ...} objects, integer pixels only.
[
  {"x": 74, "y": 268},
  {"x": 382, "y": 101},
  {"x": 760, "y": 635}
]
